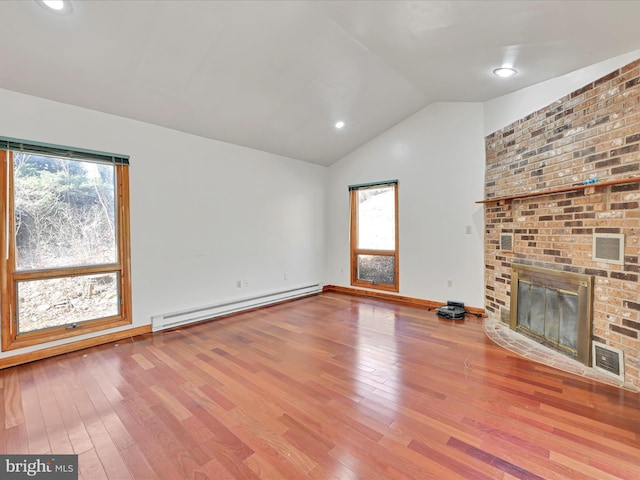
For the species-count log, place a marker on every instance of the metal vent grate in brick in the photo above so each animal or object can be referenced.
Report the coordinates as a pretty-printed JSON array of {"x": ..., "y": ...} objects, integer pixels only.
[
  {"x": 608, "y": 359},
  {"x": 506, "y": 242},
  {"x": 608, "y": 248}
]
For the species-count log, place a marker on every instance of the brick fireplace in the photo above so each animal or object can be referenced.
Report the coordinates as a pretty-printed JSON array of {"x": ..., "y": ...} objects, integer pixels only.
[{"x": 554, "y": 181}]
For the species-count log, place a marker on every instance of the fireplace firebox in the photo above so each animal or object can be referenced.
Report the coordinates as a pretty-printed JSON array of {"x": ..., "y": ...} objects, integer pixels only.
[{"x": 554, "y": 308}]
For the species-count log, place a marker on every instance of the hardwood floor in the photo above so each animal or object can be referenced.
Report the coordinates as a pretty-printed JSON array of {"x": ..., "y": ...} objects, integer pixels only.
[{"x": 326, "y": 387}]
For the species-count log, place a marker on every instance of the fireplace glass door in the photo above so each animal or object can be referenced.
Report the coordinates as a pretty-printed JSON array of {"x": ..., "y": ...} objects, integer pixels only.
[
  {"x": 550, "y": 314},
  {"x": 554, "y": 308}
]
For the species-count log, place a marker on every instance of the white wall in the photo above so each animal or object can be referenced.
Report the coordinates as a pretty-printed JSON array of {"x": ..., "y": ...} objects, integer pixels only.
[
  {"x": 437, "y": 155},
  {"x": 501, "y": 111},
  {"x": 203, "y": 213}
]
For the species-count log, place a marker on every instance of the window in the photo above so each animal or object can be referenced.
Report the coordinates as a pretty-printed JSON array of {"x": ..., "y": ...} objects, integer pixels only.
[
  {"x": 65, "y": 240},
  {"x": 374, "y": 235}
]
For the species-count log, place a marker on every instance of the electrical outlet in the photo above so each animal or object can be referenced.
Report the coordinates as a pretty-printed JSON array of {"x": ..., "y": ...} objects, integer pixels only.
[
  {"x": 246, "y": 283},
  {"x": 449, "y": 283},
  {"x": 468, "y": 229},
  {"x": 238, "y": 283}
]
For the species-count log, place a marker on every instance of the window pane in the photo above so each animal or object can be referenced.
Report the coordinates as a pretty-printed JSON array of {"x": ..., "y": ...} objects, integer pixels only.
[
  {"x": 376, "y": 218},
  {"x": 377, "y": 268},
  {"x": 67, "y": 300},
  {"x": 64, "y": 212}
]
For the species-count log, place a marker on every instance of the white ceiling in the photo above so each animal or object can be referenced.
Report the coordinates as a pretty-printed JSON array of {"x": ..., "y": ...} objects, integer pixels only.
[{"x": 277, "y": 75}]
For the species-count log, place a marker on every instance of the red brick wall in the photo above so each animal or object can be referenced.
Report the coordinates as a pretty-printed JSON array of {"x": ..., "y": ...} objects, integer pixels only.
[{"x": 593, "y": 132}]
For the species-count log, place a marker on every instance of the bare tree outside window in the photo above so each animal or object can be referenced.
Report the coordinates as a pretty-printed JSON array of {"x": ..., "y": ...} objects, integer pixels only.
[
  {"x": 374, "y": 237},
  {"x": 66, "y": 269},
  {"x": 64, "y": 213}
]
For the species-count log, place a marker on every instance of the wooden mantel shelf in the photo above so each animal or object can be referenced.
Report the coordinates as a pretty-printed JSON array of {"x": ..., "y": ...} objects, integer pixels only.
[{"x": 572, "y": 188}]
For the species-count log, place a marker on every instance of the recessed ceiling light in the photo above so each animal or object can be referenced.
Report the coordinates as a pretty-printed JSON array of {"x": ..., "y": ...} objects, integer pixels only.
[
  {"x": 339, "y": 124},
  {"x": 505, "y": 72},
  {"x": 62, "y": 7}
]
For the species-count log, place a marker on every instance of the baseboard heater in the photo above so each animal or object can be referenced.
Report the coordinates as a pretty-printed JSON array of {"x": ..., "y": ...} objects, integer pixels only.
[{"x": 198, "y": 314}]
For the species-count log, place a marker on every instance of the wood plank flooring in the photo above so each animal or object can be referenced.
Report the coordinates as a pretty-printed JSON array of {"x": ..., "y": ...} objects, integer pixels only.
[{"x": 326, "y": 387}]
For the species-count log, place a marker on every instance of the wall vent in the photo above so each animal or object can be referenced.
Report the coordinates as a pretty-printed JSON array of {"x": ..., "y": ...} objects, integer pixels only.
[
  {"x": 608, "y": 248},
  {"x": 506, "y": 242},
  {"x": 608, "y": 359}
]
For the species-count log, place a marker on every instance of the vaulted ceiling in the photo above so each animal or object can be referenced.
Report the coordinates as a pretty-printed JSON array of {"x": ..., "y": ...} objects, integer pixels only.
[{"x": 277, "y": 75}]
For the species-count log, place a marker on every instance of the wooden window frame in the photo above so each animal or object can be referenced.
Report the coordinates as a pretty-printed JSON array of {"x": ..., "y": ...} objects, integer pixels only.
[
  {"x": 355, "y": 251},
  {"x": 9, "y": 277}
]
